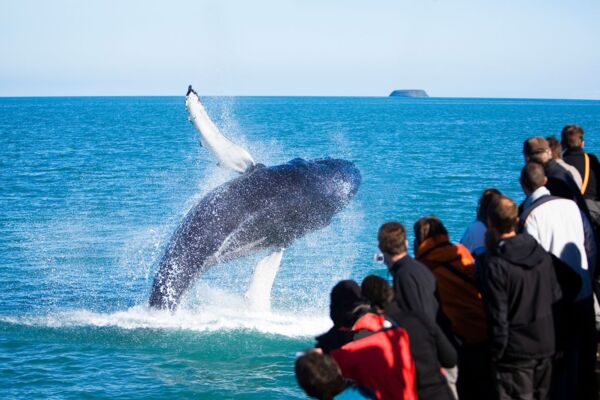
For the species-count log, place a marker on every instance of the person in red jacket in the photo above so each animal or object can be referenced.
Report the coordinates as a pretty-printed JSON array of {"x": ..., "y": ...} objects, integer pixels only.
[
  {"x": 379, "y": 359},
  {"x": 430, "y": 348}
]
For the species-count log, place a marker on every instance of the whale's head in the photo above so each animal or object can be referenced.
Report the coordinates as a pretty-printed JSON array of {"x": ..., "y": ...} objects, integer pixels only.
[
  {"x": 340, "y": 180},
  {"x": 330, "y": 183}
]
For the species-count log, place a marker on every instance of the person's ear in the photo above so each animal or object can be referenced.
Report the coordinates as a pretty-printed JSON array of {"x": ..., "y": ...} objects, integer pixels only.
[{"x": 545, "y": 180}]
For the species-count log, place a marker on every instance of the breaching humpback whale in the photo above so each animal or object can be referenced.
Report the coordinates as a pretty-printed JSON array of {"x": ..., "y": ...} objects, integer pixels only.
[{"x": 265, "y": 208}]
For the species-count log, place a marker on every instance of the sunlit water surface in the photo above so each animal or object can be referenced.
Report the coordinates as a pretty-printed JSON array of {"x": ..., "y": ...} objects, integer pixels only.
[{"x": 92, "y": 188}]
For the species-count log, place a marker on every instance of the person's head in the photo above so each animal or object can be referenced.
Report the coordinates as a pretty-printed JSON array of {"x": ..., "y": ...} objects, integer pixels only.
[
  {"x": 428, "y": 227},
  {"x": 502, "y": 216},
  {"x": 555, "y": 147},
  {"x": 571, "y": 137},
  {"x": 536, "y": 149},
  {"x": 319, "y": 375},
  {"x": 392, "y": 240},
  {"x": 344, "y": 299},
  {"x": 484, "y": 202},
  {"x": 377, "y": 291},
  {"x": 532, "y": 177}
]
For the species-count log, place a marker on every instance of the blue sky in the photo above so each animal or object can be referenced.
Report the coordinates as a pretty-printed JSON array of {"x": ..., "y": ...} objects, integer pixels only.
[{"x": 451, "y": 48}]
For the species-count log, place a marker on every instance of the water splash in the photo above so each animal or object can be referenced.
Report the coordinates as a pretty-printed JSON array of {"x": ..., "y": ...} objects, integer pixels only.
[{"x": 218, "y": 310}]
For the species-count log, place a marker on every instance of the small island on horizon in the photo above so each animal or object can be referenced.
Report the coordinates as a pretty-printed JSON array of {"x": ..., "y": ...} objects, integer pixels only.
[{"x": 409, "y": 93}]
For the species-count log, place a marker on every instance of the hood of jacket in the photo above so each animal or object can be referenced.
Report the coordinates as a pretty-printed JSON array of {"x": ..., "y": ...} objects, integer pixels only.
[
  {"x": 439, "y": 249},
  {"x": 521, "y": 250}
]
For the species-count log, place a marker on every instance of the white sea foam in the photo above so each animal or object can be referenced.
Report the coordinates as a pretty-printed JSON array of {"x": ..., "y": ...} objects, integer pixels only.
[{"x": 219, "y": 311}]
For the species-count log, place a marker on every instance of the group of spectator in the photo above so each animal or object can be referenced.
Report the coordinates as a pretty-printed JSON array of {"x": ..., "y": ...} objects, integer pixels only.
[{"x": 508, "y": 313}]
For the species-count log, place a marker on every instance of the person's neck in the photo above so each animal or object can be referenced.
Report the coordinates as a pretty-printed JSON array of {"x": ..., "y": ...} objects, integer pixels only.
[
  {"x": 395, "y": 258},
  {"x": 508, "y": 235}
]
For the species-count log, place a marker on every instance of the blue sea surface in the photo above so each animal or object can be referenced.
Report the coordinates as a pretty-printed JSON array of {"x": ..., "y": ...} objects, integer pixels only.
[{"x": 92, "y": 189}]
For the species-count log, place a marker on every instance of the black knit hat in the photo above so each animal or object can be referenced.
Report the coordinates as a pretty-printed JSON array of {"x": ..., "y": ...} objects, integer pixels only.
[{"x": 345, "y": 298}]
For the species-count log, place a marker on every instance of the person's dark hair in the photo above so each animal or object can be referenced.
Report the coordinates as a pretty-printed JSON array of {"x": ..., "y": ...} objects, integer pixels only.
[
  {"x": 532, "y": 177},
  {"x": 428, "y": 227},
  {"x": 345, "y": 298},
  {"x": 484, "y": 201},
  {"x": 537, "y": 149},
  {"x": 377, "y": 291},
  {"x": 318, "y": 375},
  {"x": 502, "y": 214},
  {"x": 571, "y": 136},
  {"x": 555, "y": 146},
  {"x": 392, "y": 238}
]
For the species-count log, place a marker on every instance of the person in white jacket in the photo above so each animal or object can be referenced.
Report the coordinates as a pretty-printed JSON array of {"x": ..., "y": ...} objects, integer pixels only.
[
  {"x": 560, "y": 228},
  {"x": 556, "y": 223}
]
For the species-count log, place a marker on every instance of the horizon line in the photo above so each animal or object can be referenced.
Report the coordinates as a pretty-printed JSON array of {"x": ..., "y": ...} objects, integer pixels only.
[{"x": 283, "y": 96}]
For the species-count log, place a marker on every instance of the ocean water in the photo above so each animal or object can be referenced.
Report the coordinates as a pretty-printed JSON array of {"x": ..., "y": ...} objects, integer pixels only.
[{"x": 92, "y": 188}]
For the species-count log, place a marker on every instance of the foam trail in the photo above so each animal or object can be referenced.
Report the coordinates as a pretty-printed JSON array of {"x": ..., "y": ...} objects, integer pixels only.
[
  {"x": 259, "y": 290},
  {"x": 228, "y": 154},
  {"x": 210, "y": 318}
]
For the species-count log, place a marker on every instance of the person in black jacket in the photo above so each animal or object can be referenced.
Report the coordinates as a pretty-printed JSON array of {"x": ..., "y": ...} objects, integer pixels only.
[
  {"x": 519, "y": 288},
  {"x": 573, "y": 143},
  {"x": 429, "y": 346},
  {"x": 414, "y": 284}
]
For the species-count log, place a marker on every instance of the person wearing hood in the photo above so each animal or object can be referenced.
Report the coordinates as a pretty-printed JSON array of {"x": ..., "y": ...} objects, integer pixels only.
[
  {"x": 346, "y": 305},
  {"x": 519, "y": 288}
]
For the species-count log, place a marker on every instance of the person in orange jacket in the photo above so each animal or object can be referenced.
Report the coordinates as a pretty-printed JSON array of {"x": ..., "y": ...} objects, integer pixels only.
[{"x": 460, "y": 301}]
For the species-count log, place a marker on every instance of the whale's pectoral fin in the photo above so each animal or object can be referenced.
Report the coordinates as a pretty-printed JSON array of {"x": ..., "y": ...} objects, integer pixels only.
[
  {"x": 259, "y": 290},
  {"x": 190, "y": 90},
  {"x": 227, "y": 153}
]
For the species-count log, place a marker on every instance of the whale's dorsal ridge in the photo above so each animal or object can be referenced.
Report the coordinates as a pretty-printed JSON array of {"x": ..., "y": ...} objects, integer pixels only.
[{"x": 255, "y": 167}]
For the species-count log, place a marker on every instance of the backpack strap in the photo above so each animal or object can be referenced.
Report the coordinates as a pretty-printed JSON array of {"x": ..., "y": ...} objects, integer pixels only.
[
  {"x": 586, "y": 172},
  {"x": 526, "y": 212}
]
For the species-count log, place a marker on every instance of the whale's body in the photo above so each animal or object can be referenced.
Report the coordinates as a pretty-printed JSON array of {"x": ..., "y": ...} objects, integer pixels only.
[{"x": 266, "y": 208}]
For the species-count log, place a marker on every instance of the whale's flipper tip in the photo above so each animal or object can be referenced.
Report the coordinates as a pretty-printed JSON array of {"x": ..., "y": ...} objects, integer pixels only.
[{"x": 190, "y": 90}]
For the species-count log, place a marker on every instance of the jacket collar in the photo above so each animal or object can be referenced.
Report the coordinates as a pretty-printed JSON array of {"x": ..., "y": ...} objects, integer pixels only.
[
  {"x": 428, "y": 245},
  {"x": 400, "y": 263},
  {"x": 574, "y": 150},
  {"x": 533, "y": 197}
]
